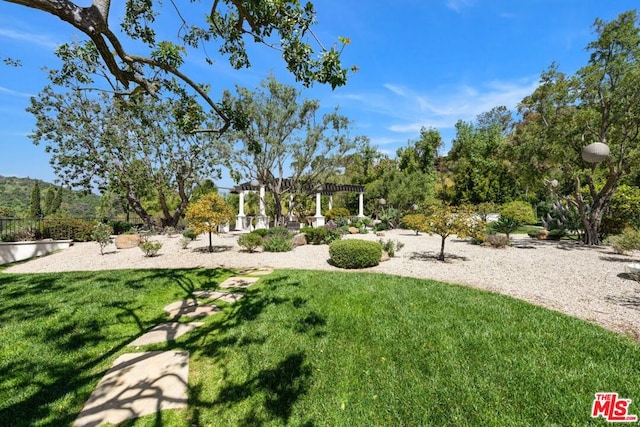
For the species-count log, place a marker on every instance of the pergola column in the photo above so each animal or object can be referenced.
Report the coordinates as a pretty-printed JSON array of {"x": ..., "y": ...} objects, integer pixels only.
[
  {"x": 241, "y": 218},
  {"x": 361, "y": 205},
  {"x": 330, "y": 201},
  {"x": 318, "y": 219},
  {"x": 290, "y": 216},
  {"x": 262, "y": 218}
]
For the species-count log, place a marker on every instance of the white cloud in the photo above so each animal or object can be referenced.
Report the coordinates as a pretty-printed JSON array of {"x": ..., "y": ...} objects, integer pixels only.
[
  {"x": 15, "y": 93},
  {"x": 458, "y": 5},
  {"x": 37, "y": 39}
]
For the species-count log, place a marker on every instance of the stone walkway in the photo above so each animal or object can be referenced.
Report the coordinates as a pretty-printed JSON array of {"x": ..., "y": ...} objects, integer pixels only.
[{"x": 143, "y": 383}]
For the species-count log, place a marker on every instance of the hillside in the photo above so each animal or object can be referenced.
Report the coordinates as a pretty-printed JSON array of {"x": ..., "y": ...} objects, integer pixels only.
[{"x": 15, "y": 196}]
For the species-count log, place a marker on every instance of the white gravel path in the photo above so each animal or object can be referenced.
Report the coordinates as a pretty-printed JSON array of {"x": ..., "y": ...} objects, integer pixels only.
[{"x": 585, "y": 282}]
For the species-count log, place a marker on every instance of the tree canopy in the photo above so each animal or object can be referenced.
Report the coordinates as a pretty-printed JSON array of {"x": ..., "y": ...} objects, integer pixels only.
[{"x": 138, "y": 59}]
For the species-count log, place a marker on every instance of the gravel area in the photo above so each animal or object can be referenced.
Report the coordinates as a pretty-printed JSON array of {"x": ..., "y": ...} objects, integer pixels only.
[{"x": 586, "y": 282}]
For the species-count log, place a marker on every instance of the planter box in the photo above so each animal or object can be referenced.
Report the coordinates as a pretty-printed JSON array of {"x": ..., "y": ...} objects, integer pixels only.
[{"x": 19, "y": 251}]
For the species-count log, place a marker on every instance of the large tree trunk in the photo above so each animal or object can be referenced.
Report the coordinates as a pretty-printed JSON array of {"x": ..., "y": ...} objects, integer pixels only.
[{"x": 135, "y": 204}]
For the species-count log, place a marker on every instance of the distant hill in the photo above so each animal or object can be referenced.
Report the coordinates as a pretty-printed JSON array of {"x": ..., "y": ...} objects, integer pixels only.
[{"x": 15, "y": 197}]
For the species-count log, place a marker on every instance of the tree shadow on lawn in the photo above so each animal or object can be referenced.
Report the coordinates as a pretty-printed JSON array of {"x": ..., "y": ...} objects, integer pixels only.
[{"x": 280, "y": 384}]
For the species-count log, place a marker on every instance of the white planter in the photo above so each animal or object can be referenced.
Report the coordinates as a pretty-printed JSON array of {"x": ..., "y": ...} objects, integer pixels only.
[{"x": 19, "y": 251}]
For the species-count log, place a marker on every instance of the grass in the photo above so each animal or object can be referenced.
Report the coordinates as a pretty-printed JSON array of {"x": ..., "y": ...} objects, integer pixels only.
[{"x": 312, "y": 348}]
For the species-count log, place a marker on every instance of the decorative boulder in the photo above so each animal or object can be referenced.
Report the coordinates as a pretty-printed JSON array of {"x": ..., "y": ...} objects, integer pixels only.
[
  {"x": 384, "y": 257},
  {"x": 542, "y": 235},
  {"x": 299, "y": 240},
  {"x": 354, "y": 230},
  {"x": 127, "y": 241}
]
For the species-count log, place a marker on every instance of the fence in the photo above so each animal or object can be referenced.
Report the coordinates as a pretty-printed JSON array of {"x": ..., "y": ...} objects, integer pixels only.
[{"x": 57, "y": 228}]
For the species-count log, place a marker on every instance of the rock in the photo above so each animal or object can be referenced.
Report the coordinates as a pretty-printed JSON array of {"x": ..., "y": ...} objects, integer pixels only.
[
  {"x": 299, "y": 240},
  {"x": 379, "y": 234},
  {"x": 384, "y": 257},
  {"x": 127, "y": 241},
  {"x": 354, "y": 230},
  {"x": 542, "y": 235}
]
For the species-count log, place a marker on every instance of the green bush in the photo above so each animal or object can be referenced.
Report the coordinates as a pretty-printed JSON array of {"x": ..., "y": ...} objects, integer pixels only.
[
  {"x": 624, "y": 210},
  {"x": 322, "y": 236},
  {"x": 101, "y": 234},
  {"x": 556, "y": 234},
  {"x": 519, "y": 212},
  {"x": 262, "y": 232},
  {"x": 355, "y": 253},
  {"x": 250, "y": 242},
  {"x": 629, "y": 240},
  {"x": 391, "y": 247},
  {"x": 184, "y": 242},
  {"x": 150, "y": 248},
  {"x": 335, "y": 213},
  {"x": 279, "y": 231},
  {"x": 277, "y": 243},
  {"x": 60, "y": 228},
  {"x": 190, "y": 233}
]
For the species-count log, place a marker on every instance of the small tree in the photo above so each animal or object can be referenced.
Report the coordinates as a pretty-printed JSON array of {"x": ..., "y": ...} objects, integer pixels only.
[
  {"x": 415, "y": 222},
  {"x": 207, "y": 214},
  {"x": 513, "y": 215},
  {"x": 102, "y": 235},
  {"x": 446, "y": 220}
]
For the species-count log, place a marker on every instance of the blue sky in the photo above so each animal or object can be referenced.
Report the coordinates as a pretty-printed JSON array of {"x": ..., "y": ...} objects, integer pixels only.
[{"x": 421, "y": 63}]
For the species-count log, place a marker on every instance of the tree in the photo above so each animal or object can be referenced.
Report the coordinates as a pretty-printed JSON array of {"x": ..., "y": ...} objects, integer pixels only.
[
  {"x": 513, "y": 215},
  {"x": 134, "y": 147},
  {"x": 226, "y": 25},
  {"x": 601, "y": 103},
  {"x": 35, "y": 208},
  {"x": 445, "y": 220},
  {"x": 48, "y": 201},
  {"x": 207, "y": 214},
  {"x": 285, "y": 146}
]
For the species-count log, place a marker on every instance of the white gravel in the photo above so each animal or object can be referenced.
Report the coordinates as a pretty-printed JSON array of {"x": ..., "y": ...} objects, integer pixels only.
[{"x": 586, "y": 282}]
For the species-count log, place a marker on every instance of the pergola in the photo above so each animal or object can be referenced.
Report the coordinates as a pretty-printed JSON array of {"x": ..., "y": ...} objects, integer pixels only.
[{"x": 327, "y": 189}]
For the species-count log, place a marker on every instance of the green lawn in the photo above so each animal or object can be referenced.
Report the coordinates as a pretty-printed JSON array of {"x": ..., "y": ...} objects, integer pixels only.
[{"x": 312, "y": 348}]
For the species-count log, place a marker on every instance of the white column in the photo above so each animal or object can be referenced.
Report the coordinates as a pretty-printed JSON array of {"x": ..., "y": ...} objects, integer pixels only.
[
  {"x": 290, "y": 207},
  {"x": 361, "y": 205},
  {"x": 262, "y": 218},
  {"x": 240, "y": 219},
  {"x": 330, "y": 201},
  {"x": 318, "y": 219}
]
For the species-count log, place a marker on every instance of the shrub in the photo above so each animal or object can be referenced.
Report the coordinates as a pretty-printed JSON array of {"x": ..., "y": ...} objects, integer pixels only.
[
  {"x": 262, "y": 232},
  {"x": 624, "y": 210},
  {"x": 504, "y": 225},
  {"x": 335, "y": 213},
  {"x": 629, "y": 240},
  {"x": 391, "y": 247},
  {"x": 169, "y": 231},
  {"x": 122, "y": 227},
  {"x": 513, "y": 215},
  {"x": 58, "y": 228},
  {"x": 496, "y": 240},
  {"x": 415, "y": 222},
  {"x": 150, "y": 248},
  {"x": 355, "y": 253},
  {"x": 102, "y": 235},
  {"x": 250, "y": 242},
  {"x": 184, "y": 242},
  {"x": 190, "y": 233},
  {"x": 279, "y": 231},
  {"x": 277, "y": 243},
  {"x": 556, "y": 234},
  {"x": 322, "y": 236}
]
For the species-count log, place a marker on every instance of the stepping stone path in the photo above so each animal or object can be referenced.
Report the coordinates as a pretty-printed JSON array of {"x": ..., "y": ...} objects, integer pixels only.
[
  {"x": 138, "y": 384},
  {"x": 239, "y": 282},
  {"x": 260, "y": 271},
  {"x": 164, "y": 332},
  {"x": 143, "y": 383}
]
